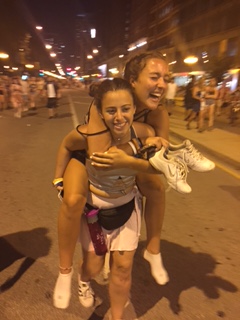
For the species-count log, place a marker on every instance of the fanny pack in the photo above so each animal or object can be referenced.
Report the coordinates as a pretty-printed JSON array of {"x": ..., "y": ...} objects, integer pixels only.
[{"x": 114, "y": 218}]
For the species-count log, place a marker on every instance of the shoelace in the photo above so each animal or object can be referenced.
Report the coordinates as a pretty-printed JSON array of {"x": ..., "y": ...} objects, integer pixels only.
[
  {"x": 194, "y": 152},
  {"x": 181, "y": 168},
  {"x": 85, "y": 290}
]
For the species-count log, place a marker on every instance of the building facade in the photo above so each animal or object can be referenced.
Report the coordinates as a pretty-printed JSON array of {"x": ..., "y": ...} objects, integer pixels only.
[{"x": 207, "y": 29}]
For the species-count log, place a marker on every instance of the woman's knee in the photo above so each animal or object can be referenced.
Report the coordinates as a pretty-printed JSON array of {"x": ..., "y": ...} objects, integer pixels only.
[
  {"x": 122, "y": 268},
  {"x": 151, "y": 185},
  {"x": 92, "y": 265},
  {"x": 74, "y": 204},
  {"x": 121, "y": 273}
]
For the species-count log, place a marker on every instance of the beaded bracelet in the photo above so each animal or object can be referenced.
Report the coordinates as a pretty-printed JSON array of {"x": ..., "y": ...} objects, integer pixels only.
[{"x": 57, "y": 182}]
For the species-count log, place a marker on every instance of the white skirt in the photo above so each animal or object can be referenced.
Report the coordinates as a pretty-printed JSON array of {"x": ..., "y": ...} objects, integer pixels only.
[{"x": 124, "y": 238}]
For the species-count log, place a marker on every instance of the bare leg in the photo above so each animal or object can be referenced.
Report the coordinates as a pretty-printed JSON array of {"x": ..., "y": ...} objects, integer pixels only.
[
  {"x": 202, "y": 114},
  {"x": 187, "y": 114},
  {"x": 218, "y": 107},
  {"x": 191, "y": 118},
  {"x": 75, "y": 193},
  {"x": 153, "y": 189},
  {"x": 211, "y": 116},
  {"x": 89, "y": 268},
  {"x": 91, "y": 265},
  {"x": 120, "y": 282}
]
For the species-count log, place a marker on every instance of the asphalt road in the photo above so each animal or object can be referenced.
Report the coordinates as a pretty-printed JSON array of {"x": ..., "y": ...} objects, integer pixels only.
[{"x": 200, "y": 239}]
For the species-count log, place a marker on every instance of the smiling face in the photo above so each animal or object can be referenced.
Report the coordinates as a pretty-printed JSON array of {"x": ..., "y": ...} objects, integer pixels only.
[
  {"x": 117, "y": 110},
  {"x": 151, "y": 84}
]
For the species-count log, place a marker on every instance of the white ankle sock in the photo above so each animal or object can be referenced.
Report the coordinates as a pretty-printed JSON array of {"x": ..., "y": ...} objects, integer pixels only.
[
  {"x": 62, "y": 290},
  {"x": 158, "y": 271}
]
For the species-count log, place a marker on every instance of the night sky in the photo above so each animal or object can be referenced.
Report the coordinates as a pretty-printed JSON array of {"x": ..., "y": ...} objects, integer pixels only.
[{"x": 55, "y": 16}]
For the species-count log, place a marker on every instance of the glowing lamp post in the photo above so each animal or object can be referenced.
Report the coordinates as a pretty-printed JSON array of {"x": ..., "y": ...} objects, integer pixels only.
[
  {"x": 190, "y": 60},
  {"x": 4, "y": 55},
  {"x": 48, "y": 46},
  {"x": 29, "y": 66}
]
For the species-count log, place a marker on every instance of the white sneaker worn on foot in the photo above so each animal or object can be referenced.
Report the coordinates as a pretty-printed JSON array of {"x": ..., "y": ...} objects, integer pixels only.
[
  {"x": 174, "y": 170},
  {"x": 158, "y": 271},
  {"x": 191, "y": 156},
  {"x": 62, "y": 290},
  {"x": 85, "y": 294}
]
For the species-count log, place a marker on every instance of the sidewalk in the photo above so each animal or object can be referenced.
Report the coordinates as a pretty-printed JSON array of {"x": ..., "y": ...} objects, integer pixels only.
[{"x": 219, "y": 143}]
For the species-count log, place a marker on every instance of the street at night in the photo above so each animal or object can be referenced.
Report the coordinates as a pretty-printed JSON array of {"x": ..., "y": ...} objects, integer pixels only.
[
  {"x": 173, "y": 65},
  {"x": 200, "y": 237}
]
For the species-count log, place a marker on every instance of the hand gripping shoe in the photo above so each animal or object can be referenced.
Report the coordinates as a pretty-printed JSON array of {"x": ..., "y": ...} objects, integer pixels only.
[
  {"x": 174, "y": 170},
  {"x": 191, "y": 156}
]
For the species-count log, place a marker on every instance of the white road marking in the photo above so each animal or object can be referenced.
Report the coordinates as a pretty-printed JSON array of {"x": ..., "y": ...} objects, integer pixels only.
[
  {"x": 73, "y": 112},
  {"x": 81, "y": 102}
]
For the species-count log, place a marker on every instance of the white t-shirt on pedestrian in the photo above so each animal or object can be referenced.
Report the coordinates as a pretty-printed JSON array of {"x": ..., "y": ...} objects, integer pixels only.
[
  {"x": 171, "y": 91},
  {"x": 51, "y": 92}
]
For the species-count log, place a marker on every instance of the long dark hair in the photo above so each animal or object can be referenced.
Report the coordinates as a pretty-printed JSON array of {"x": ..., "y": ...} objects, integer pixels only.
[{"x": 110, "y": 85}]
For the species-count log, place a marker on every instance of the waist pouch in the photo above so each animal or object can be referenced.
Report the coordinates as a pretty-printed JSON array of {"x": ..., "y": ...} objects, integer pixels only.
[{"x": 114, "y": 218}]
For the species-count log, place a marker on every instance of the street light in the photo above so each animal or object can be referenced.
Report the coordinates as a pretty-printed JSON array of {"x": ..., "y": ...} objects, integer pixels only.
[
  {"x": 190, "y": 60},
  {"x": 48, "y": 46},
  {"x": 39, "y": 28},
  {"x": 29, "y": 66},
  {"x": 4, "y": 55},
  {"x": 114, "y": 70}
]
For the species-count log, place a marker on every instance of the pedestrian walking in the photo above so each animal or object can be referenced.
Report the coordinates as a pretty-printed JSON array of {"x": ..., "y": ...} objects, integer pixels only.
[
  {"x": 222, "y": 99},
  {"x": 25, "y": 94},
  {"x": 207, "y": 108},
  {"x": 198, "y": 92},
  {"x": 111, "y": 189},
  {"x": 148, "y": 91},
  {"x": 2, "y": 95},
  {"x": 52, "y": 90},
  {"x": 32, "y": 93},
  {"x": 170, "y": 95},
  {"x": 16, "y": 97},
  {"x": 188, "y": 98}
]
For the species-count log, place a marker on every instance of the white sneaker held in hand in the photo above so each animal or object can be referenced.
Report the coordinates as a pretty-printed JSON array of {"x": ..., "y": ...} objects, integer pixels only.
[
  {"x": 191, "y": 156},
  {"x": 174, "y": 170}
]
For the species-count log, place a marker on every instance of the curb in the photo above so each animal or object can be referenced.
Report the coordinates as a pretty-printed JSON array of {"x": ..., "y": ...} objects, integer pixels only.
[{"x": 223, "y": 157}]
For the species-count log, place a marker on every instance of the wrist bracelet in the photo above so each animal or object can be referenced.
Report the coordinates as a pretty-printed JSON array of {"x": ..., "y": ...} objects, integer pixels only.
[{"x": 57, "y": 181}]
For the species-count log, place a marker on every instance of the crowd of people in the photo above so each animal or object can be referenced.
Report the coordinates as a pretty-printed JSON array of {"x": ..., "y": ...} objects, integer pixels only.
[
  {"x": 22, "y": 93},
  {"x": 204, "y": 100}
]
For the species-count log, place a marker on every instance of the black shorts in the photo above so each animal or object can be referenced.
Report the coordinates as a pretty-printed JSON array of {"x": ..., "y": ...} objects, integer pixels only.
[
  {"x": 79, "y": 155},
  {"x": 52, "y": 103}
]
